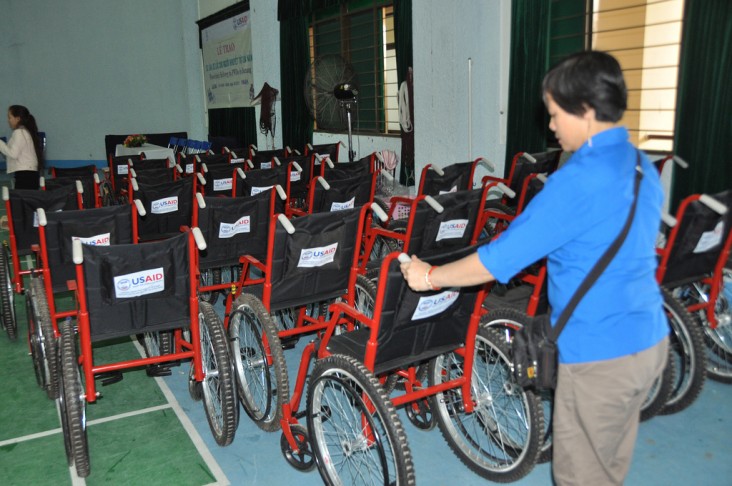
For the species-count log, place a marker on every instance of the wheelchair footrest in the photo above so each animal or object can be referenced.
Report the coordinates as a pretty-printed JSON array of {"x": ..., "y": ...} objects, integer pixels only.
[
  {"x": 110, "y": 377},
  {"x": 158, "y": 370}
]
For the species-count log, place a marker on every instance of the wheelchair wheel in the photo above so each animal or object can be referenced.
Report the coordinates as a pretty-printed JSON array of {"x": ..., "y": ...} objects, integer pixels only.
[
  {"x": 383, "y": 245},
  {"x": 356, "y": 433},
  {"x": 219, "y": 396},
  {"x": 107, "y": 194},
  {"x": 260, "y": 369},
  {"x": 303, "y": 459},
  {"x": 506, "y": 321},
  {"x": 501, "y": 439},
  {"x": 74, "y": 401},
  {"x": 7, "y": 297},
  {"x": 157, "y": 343},
  {"x": 718, "y": 341},
  {"x": 210, "y": 276},
  {"x": 660, "y": 391},
  {"x": 195, "y": 389},
  {"x": 43, "y": 344},
  {"x": 687, "y": 342},
  {"x": 494, "y": 224}
]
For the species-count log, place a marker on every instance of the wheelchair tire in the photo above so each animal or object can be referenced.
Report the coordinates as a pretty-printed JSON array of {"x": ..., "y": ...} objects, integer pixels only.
[
  {"x": 687, "y": 342},
  {"x": 195, "y": 390},
  {"x": 210, "y": 276},
  {"x": 74, "y": 401},
  {"x": 506, "y": 321},
  {"x": 157, "y": 343},
  {"x": 44, "y": 346},
  {"x": 7, "y": 297},
  {"x": 303, "y": 459},
  {"x": 261, "y": 374},
  {"x": 660, "y": 391},
  {"x": 344, "y": 397},
  {"x": 219, "y": 395},
  {"x": 495, "y": 225},
  {"x": 383, "y": 245},
  {"x": 509, "y": 420}
]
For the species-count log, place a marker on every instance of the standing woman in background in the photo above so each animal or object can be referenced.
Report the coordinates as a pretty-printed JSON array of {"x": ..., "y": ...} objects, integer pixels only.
[{"x": 24, "y": 151}]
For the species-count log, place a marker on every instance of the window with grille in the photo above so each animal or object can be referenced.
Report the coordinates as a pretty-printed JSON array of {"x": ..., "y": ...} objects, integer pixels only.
[
  {"x": 645, "y": 37},
  {"x": 362, "y": 33}
]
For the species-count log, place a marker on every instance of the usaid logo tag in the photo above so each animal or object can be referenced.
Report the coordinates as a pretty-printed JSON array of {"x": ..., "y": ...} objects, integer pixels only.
[
  {"x": 139, "y": 283},
  {"x": 452, "y": 189},
  {"x": 98, "y": 240},
  {"x": 340, "y": 206},
  {"x": 222, "y": 184},
  {"x": 710, "y": 239},
  {"x": 242, "y": 225},
  {"x": 35, "y": 219},
  {"x": 452, "y": 229},
  {"x": 317, "y": 257},
  {"x": 434, "y": 304},
  {"x": 189, "y": 168},
  {"x": 266, "y": 165},
  {"x": 256, "y": 190},
  {"x": 294, "y": 176},
  {"x": 167, "y": 205},
  {"x": 122, "y": 169},
  {"x": 238, "y": 161}
]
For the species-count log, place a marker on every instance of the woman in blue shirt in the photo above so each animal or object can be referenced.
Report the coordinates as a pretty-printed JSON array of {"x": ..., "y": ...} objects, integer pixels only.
[{"x": 614, "y": 345}]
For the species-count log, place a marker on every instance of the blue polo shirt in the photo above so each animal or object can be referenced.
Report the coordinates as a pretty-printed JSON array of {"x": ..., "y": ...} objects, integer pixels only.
[{"x": 572, "y": 221}]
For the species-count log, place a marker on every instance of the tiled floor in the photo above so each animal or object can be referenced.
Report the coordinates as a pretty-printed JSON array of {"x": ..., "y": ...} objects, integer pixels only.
[{"x": 148, "y": 431}]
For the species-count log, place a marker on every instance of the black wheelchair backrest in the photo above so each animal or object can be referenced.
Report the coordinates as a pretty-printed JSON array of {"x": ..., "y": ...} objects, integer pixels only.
[
  {"x": 169, "y": 206},
  {"x": 23, "y": 205},
  {"x": 339, "y": 194},
  {"x": 457, "y": 177},
  {"x": 133, "y": 289}
]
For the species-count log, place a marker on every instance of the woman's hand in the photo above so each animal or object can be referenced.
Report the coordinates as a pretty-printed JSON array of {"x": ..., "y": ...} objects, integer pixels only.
[{"x": 414, "y": 272}]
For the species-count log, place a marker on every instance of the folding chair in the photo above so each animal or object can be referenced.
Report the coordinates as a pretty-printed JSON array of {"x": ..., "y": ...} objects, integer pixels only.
[{"x": 124, "y": 290}]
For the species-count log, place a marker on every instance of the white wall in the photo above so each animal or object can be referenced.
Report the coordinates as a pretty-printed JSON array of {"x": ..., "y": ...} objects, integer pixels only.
[{"x": 88, "y": 68}]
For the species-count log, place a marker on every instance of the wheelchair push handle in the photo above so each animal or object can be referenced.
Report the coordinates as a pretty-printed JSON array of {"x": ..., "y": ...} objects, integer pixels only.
[
  {"x": 201, "y": 179},
  {"x": 386, "y": 174},
  {"x": 240, "y": 173},
  {"x": 200, "y": 200},
  {"x": 286, "y": 223},
  {"x": 669, "y": 220},
  {"x": 404, "y": 258},
  {"x": 379, "y": 212},
  {"x": 439, "y": 171},
  {"x": 6, "y": 193},
  {"x": 506, "y": 190},
  {"x": 439, "y": 208},
  {"x": 96, "y": 179},
  {"x": 324, "y": 183},
  {"x": 42, "y": 182},
  {"x": 281, "y": 192},
  {"x": 42, "y": 221},
  {"x": 77, "y": 252},
  {"x": 713, "y": 204},
  {"x": 133, "y": 181},
  {"x": 490, "y": 165},
  {"x": 198, "y": 237},
  {"x": 79, "y": 187},
  {"x": 680, "y": 162},
  {"x": 140, "y": 208},
  {"x": 528, "y": 157},
  {"x": 277, "y": 161}
]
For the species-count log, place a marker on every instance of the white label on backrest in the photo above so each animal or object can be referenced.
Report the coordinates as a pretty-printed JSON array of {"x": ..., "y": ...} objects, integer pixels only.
[
  {"x": 97, "y": 240},
  {"x": 294, "y": 176},
  {"x": 165, "y": 205},
  {"x": 453, "y": 189},
  {"x": 238, "y": 161},
  {"x": 340, "y": 206},
  {"x": 452, "y": 229},
  {"x": 242, "y": 225},
  {"x": 189, "y": 168},
  {"x": 222, "y": 184},
  {"x": 317, "y": 257},
  {"x": 35, "y": 219},
  {"x": 266, "y": 165},
  {"x": 139, "y": 283},
  {"x": 710, "y": 239},
  {"x": 434, "y": 304},
  {"x": 256, "y": 190},
  {"x": 122, "y": 169}
]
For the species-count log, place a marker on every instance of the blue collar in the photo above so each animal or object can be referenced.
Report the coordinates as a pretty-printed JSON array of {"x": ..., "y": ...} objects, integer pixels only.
[{"x": 612, "y": 136}]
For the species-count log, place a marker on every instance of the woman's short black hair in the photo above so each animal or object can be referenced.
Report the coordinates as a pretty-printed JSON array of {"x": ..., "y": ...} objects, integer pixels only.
[{"x": 589, "y": 79}]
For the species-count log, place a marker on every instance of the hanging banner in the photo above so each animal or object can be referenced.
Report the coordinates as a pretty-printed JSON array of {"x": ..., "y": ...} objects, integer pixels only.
[{"x": 227, "y": 63}]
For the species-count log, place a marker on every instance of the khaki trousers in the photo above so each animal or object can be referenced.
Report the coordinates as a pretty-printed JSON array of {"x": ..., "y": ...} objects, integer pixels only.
[{"x": 596, "y": 414}]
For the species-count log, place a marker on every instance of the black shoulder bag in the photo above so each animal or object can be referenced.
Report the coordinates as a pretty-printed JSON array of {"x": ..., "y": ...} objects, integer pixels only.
[{"x": 534, "y": 347}]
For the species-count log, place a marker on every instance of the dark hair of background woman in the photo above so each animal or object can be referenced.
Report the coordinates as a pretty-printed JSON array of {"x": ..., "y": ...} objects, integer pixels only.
[
  {"x": 28, "y": 122},
  {"x": 589, "y": 79}
]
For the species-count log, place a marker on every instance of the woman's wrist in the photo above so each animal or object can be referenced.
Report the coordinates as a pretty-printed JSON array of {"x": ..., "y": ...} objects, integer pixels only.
[{"x": 428, "y": 278}]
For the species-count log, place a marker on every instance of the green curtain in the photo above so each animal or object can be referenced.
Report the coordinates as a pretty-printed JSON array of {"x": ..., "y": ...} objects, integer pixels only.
[
  {"x": 404, "y": 60},
  {"x": 526, "y": 127},
  {"x": 238, "y": 123},
  {"x": 297, "y": 125},
  {"x": 703, "y": 132}
]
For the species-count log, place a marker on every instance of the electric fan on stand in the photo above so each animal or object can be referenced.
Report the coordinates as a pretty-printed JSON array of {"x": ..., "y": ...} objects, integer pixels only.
[{"x": 331, "y": 94}]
